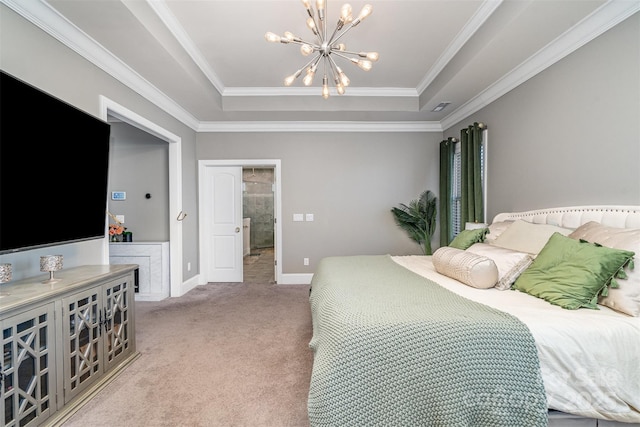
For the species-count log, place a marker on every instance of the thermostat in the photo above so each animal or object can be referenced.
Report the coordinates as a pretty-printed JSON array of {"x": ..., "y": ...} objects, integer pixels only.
[{"x": 118, "y": 195}]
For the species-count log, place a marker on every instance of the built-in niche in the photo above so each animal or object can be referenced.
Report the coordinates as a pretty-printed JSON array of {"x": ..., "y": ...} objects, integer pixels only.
[
  {"x": 138, "y": 167},
  {"x": 258, "y": 205}
]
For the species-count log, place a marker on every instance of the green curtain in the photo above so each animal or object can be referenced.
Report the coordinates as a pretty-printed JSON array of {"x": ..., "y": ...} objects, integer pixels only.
[
  {"x": 447, "y": 150},
  {"x": 472, "y": 203}
]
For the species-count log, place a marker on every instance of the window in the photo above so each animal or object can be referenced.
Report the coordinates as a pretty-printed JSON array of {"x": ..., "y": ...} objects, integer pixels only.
[{"x": 456, "y": 195}]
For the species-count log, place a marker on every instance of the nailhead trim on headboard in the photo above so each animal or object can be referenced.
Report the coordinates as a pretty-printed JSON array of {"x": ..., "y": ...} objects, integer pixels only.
[{"x": 575, "y": 216}]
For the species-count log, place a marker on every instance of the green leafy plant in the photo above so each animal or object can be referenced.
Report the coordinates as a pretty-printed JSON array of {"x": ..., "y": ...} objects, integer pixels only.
[{"x": 418, "y": 219}]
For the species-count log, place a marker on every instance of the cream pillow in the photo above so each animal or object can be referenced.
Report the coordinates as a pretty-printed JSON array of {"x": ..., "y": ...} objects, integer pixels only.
[
  {"x": 510, "y": 264},
  {"x": 626, "y": 298},
  {"x": 466, "y": 267},
  {"x": 496, "y": 229},
  {"x": 523, "y": 236}
]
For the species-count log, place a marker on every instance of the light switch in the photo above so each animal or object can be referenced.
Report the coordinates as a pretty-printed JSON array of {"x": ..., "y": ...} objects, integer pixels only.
[
  {"x": 298, "y": 217},
  {"x": 309, "y": 217}
]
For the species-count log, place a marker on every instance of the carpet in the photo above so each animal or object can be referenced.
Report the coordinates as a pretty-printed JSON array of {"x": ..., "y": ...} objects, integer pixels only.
[{"x": 224, "y": 354}]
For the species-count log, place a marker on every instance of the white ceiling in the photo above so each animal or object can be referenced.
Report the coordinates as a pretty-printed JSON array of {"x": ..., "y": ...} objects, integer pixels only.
[{"x": 207, "y": 62}]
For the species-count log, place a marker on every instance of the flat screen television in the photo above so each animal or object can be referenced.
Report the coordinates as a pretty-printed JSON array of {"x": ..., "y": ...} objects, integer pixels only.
[{"x": 54, "y": 164}]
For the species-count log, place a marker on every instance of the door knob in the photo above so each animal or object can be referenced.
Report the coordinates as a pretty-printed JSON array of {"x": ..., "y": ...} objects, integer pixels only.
[{"x": 237, "y": 229}]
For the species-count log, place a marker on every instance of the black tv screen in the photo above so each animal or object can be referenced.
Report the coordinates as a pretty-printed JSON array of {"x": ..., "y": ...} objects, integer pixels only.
[{"x": 54, "y": 161}]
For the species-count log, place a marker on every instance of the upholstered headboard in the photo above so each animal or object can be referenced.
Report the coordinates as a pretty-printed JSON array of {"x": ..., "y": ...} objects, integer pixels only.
[{"x": 575, "y": 216}]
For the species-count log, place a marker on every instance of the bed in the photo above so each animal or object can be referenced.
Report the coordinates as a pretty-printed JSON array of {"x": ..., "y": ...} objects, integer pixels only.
[{"x": 481, "y": 334}]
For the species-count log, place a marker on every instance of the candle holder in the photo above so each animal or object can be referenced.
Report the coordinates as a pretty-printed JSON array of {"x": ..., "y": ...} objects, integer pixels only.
[
  {"x": 5, "y": 276},
  {"x": 51, "y": 263}
]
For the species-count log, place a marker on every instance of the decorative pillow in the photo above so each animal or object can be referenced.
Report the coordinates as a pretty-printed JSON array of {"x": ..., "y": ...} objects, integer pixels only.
[
  {"x": 573, "y": 273},
  {"x": 626, "y": 298},
  {"x": 471, "y": 269},
  {"x": 510, "y": 263},
  {"x": 466, "y": 238},
  {"x": 496, "y": 229},
  {"x": 523, "y": 236}
]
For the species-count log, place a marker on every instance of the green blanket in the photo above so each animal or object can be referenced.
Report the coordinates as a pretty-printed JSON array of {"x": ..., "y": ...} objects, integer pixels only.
[{"x": 392, "y": 348}]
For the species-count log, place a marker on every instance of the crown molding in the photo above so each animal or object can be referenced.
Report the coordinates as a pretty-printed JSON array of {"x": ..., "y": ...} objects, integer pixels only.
[
  {"x": 381, "y": 92},
  {"x": 46, "y": 18},
  {"x": 477, "y": 20},
  {"x": 173, "y": 25},
  {"x": 325, "y": 126},
  {"x": 602, "y": 19}
]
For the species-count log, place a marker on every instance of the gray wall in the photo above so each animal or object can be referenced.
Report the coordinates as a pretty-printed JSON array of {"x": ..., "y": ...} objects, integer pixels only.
[
  {"x": 139, "y": 165},
  {"x": 570, "y": 135},
  {"x": 37, "y": 58},
  {"x": 349, "y": 181}
]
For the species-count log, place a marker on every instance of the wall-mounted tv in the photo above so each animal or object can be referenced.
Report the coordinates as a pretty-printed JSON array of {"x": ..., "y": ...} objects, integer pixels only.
[{"x": 54, "y": 164}]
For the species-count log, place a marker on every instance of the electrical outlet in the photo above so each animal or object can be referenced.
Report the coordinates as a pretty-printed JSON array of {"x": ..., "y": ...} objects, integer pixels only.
[
  {"x": 120, "y": 218},
  {"x": 309, "y": 217},
  {"x": 305, "y": 261}
]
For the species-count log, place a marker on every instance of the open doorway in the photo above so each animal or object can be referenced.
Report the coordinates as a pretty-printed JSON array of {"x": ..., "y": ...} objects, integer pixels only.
[
  {"x": 258, "y": 210},
  {"x": 109, "y": 108}
]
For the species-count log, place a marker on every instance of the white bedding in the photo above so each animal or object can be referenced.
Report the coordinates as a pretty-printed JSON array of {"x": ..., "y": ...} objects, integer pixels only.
[{"x": 590, "y": 359}]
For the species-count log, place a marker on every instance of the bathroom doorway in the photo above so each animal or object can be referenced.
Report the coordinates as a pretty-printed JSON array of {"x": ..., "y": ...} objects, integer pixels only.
[{"x": 258, "y": 210}]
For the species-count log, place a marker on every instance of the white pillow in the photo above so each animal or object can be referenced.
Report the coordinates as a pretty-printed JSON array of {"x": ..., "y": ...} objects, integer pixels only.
[
  {"x": 466, "y": 267},
  {"x": 496, "y": 229},
  {"x": 523, "y": 236},
  {"x": 626, "y": 298},
  {"x": 510, "y": 263}
]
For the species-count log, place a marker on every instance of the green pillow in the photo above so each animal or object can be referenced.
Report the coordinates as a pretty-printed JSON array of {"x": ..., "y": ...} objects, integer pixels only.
[
  {"x": 573, "y": 273},
  {"x": 466, "y": 238}
]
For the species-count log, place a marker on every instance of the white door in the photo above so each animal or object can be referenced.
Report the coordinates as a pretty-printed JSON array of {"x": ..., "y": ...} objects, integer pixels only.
[{"x": 225, "y": 224}]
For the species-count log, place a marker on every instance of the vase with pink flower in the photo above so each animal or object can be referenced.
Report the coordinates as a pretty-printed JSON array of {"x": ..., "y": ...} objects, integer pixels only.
[{"x": 115, "y": 232}]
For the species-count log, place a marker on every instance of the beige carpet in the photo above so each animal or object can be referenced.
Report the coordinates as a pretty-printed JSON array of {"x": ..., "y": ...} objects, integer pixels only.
[{"x": 233, "y": 354}]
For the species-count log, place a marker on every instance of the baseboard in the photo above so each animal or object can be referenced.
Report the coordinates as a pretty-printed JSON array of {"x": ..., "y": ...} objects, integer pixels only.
[
  {"x": 295, "y": 279},
  {"x": 189, "y": 284}
]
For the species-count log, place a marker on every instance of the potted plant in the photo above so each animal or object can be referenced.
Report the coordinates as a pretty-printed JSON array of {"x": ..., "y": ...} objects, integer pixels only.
[{"x": 418, "y": 219}]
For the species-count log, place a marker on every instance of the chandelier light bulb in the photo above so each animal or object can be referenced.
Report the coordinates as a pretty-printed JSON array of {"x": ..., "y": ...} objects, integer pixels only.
[
  {"x": 325, "y": 88},
  {"x": 311, "y": 72},
  {"x": 344, "y": 79},
  {"x": 339, "y": 86},
  {"x": 341, "y": 47},
  {"x": 345, "y": 13},
  {"x": 362, "y": 63},
  {"x": 289, "y": 36},
  {"x": 311, "y": 23},
  {"x": 308, "y": 79},
  {"x": 306, "y": 49},
  {"x": 320, "y": 5},
  {"x": 372, "y": 56},
  {"x": 289, "y": 80},
  {"x": 366, "y": 11},
  {"x": 306, "y": 4},
  {"x": 272, "y": 37}
]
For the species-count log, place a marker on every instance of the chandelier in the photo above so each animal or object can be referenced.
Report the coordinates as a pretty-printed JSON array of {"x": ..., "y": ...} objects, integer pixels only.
[{"x": 327, "y": 47}]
